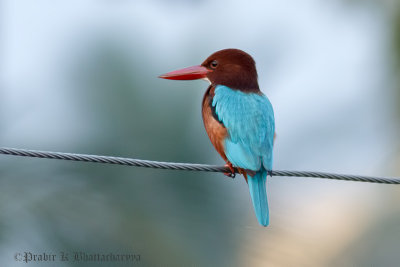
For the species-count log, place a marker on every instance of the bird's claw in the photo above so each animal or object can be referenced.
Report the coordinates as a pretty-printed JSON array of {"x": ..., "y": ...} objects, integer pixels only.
[
  {"x": 231, "y": 174},
  {"x": 269, "y": 173}
]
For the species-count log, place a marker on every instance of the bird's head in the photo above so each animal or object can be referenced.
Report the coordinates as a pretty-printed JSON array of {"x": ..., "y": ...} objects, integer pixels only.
[{"x": 230, "y": 67}]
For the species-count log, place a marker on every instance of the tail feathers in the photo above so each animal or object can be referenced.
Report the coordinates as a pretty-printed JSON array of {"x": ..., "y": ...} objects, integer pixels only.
[{"x": 258, "y": 193}]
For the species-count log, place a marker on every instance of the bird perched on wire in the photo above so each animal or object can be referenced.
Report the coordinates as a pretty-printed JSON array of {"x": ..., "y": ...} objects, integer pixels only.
[{"x": 238, "y": 118}]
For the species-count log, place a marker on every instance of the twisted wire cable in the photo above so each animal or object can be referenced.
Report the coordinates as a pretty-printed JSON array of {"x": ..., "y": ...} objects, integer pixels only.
[{"x": 185, "y": 166}]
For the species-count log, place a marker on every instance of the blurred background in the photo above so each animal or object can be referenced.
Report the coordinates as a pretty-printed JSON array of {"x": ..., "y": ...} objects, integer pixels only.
[{"x": 81, "y": 76}]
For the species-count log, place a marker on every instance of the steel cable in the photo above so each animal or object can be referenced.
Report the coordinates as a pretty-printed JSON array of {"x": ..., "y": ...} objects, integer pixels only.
[{"x": 185, "y": 166}]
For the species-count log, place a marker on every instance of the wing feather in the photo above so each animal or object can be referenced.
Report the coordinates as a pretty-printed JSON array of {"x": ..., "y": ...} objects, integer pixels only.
[{"x": 249, "y": 120}]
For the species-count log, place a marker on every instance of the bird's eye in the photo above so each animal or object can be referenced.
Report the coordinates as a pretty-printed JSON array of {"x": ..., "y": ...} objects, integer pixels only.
[{"x": 214, "y": 64}]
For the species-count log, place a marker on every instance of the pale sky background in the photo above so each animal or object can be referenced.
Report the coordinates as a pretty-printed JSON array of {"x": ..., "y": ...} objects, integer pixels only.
[{"x": 326, "y": 66}]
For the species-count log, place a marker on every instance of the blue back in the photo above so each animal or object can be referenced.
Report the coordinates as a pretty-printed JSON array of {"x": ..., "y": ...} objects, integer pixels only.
[{"x": 249, "y": 120}]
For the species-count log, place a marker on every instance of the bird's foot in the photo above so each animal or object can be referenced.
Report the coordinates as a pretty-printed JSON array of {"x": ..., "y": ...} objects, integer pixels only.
[
  {"x": 231, "y": 174},
  {"x": 269, "y": 173},
  {"x": 243, "y": 172}
]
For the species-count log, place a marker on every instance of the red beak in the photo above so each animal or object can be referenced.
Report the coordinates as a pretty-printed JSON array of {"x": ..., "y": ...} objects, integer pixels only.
[{"x": 190, "y": 73}]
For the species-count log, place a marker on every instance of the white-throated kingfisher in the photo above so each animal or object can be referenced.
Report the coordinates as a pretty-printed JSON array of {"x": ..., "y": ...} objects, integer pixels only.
[{"x": 238, "y": 118}]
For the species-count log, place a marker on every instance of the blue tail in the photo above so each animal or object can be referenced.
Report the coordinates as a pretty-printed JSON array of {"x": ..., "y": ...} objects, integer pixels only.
[{"x": 258, "y": 195}]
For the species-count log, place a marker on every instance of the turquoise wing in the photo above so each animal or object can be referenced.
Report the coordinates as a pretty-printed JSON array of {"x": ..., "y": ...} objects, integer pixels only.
[{"x": 249, "y": 120}]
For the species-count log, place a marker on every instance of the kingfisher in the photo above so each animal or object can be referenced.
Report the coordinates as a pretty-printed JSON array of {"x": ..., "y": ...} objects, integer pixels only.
[{"x": 238, "y": 118}]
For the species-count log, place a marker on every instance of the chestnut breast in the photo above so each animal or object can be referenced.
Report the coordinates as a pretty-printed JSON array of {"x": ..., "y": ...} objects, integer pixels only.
[{"x": 214, "y": 128}]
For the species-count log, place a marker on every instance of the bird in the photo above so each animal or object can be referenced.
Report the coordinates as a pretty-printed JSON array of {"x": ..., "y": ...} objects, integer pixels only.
[{"x": 238, "y": 118}]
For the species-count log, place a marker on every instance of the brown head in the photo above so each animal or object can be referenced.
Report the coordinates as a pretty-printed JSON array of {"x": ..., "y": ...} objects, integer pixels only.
[{"x": 230, "y": 67}]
